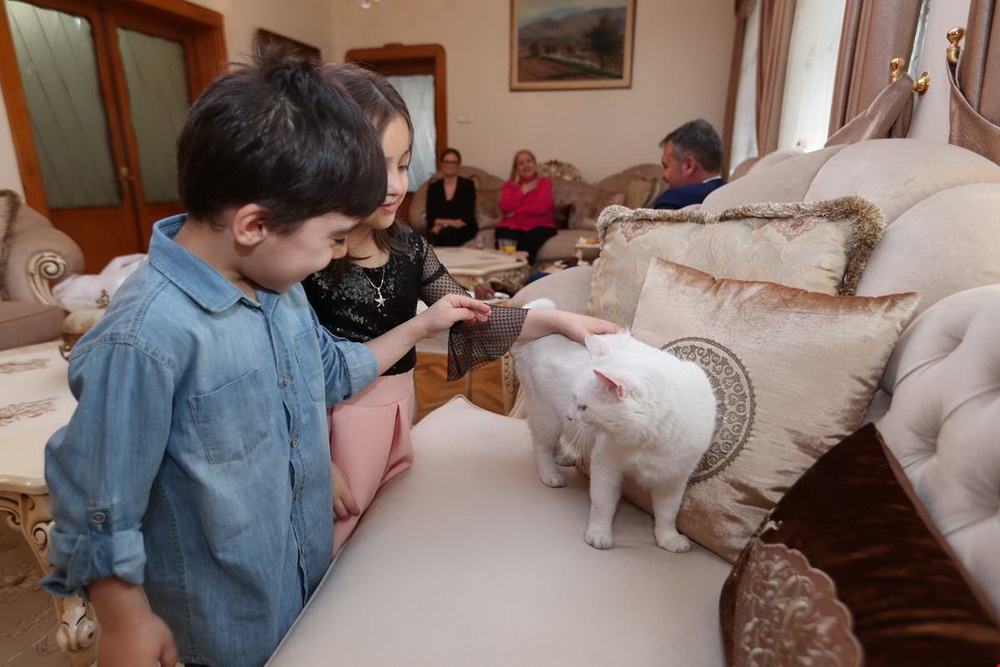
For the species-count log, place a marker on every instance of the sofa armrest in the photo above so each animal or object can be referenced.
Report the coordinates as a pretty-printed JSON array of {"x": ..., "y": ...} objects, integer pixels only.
[{"x": 40, "y": 255}]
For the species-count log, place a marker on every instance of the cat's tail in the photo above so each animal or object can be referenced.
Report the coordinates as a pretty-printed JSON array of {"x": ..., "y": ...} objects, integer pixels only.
[{"x": 541, "y": 304}]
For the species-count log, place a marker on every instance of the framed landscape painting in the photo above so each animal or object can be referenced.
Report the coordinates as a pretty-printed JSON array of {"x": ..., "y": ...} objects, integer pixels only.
[{"x": 571, "y": 44}]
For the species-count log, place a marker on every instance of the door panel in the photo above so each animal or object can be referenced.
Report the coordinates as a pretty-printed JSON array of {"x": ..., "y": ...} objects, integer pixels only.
[{"x": 68, "y": 88}]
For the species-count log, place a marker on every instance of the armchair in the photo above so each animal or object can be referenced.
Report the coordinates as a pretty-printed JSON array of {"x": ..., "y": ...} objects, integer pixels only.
[{"x": 34, "y": 255}]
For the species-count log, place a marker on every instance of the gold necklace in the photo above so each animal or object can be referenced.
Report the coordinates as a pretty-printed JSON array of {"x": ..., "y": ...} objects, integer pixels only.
[{"x": 379, "y": 299}]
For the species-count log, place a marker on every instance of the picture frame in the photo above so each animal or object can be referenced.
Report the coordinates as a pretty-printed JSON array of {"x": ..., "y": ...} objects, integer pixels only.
[{"x": 571, "y": 44}]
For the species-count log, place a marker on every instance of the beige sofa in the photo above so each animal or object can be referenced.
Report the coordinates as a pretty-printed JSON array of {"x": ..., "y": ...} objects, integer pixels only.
[
  {"x": 38, "y": 256},
  {"x": 580, "y": 201},
  {"x": 468, "y": 559}
]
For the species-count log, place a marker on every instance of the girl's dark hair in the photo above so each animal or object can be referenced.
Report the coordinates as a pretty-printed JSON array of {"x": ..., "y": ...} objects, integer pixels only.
[
  {"x": 275, "y": 133},
  {"x": 450, "y": 151},
  {"x": 380, "y": 102}
]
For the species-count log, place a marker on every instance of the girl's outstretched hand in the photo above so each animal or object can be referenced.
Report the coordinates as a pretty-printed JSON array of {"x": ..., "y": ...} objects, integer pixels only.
[
  {"x": 578, "y": 327},
  {"x": 450, "y": 309}
]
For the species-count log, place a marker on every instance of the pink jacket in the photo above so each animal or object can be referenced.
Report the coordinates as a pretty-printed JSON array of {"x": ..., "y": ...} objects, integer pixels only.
[{"x": 527, "y": 211}]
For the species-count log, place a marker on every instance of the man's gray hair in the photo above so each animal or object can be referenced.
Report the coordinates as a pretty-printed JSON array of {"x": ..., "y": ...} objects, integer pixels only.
[{"x": 698, "y": 139}]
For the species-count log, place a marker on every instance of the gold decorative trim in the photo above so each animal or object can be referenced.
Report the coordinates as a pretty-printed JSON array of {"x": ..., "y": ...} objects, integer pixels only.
[
  {"x": 921, "y": 85},
  {"x": 955, "y": 36},
  {"x": 44, "y": 269},
  {"x": 510, "y": 381}
]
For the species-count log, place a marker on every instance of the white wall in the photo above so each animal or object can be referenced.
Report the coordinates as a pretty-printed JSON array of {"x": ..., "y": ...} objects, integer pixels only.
[
  {"x": 930, "y": 116},
  {"x": 680, "y": 71}
]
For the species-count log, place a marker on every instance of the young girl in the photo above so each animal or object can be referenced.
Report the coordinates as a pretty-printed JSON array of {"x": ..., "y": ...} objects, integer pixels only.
[{"x": 388, "y": 268}]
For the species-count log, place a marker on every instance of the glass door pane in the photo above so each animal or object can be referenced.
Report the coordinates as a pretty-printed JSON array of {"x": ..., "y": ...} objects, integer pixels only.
[
  {"x": 418, "y": 92},
  {"x": 156, "y": 78},
  {"x": 58, "y": 64}
]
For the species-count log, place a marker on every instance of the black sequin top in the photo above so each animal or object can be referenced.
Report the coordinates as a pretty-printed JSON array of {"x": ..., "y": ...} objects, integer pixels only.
[{"x": 348, "y": 307}]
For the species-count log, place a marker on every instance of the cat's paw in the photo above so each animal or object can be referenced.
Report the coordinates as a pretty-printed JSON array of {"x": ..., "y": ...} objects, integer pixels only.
[
  {"x": 599, "y": 539},
  {"x": 553, "y": 479},
  {"x": 674, "y": 542},
  {"x": 565, "y": 460}
]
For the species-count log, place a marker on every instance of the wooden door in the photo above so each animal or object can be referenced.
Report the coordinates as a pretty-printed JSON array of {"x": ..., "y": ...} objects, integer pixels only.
[{"x": 105, "y": 87}]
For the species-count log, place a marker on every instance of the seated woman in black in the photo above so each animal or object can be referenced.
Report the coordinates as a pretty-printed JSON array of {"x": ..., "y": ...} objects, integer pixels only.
[{"x": 451, "y": 204}]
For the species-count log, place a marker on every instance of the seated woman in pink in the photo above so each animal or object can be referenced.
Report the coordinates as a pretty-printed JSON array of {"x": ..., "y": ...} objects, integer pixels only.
[{"x": 528, "y": 210}]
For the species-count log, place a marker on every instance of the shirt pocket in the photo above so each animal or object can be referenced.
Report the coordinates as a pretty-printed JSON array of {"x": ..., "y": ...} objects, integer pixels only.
[
  {"x": 230, "y": 421},
  {"x": 311, "y": 365}
]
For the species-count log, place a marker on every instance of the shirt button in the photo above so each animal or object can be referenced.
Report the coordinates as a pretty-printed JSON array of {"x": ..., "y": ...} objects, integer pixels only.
[
  {"x": 98, "y": 518},
  {"x": 295, "y": 443},
  {"x": 286, "y": 380}
]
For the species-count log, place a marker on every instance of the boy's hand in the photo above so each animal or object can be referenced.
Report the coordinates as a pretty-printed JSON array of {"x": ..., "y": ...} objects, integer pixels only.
[
  {"x": 449, "y": 309},
  {"x": 344, "y": 505},
  {"x": 578, "y": 327},
  {"x": 148, "y": 642}
]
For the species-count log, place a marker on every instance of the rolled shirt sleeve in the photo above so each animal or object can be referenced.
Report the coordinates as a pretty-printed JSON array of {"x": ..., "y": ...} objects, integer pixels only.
[
  {"x": 101, "y": 466},
  {"x": 348, "y": 367}
]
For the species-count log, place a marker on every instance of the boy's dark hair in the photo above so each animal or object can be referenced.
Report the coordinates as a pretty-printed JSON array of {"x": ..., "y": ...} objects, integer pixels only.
[
  {"x": 276, "y": 134},
  {"x": 699, "y": 139}
]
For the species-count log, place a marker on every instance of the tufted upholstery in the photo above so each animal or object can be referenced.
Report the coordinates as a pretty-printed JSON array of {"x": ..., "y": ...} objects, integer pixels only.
[{"x": 944, "y": 424}]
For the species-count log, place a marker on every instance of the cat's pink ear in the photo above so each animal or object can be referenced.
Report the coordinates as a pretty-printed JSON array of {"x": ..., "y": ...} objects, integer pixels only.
[
  {"x": 597, "y": 345},
  {"x": 616, "y": 385}
]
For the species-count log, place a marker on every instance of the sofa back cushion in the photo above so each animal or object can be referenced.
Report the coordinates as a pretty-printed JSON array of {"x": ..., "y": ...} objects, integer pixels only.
[
  {"x": 822, "y": 246},
  {"x": 10, "y": 203}
]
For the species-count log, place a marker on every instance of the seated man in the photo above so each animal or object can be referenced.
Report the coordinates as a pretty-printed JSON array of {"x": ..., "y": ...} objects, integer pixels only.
[{"x": 692, "y": 159}]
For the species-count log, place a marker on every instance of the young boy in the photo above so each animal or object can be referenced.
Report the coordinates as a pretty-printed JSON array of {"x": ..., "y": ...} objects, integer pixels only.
[{"x": 191, "y": 489}]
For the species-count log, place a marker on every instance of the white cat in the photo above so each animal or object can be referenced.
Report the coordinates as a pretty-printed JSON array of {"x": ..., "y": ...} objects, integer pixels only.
[{"x": 639, "y": 410}]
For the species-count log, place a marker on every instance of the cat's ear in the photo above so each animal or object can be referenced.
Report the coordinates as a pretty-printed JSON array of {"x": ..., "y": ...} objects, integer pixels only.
[
  {"x": 613, "y": 383},
  {"x": 597, "y": 345}
]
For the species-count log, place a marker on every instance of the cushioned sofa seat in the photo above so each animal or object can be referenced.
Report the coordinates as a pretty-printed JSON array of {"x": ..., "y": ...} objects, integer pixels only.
[
  {"x": 26, "y": 323},
  {"x": 468, "y": 559}
]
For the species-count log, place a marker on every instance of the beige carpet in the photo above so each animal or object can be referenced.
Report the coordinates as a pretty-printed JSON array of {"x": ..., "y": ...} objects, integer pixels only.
[{"x": 27, "y": 618}]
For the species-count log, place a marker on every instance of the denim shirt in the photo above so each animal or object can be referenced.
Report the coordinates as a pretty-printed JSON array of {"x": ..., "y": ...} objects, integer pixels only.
[{"x": 197, "y": 462}]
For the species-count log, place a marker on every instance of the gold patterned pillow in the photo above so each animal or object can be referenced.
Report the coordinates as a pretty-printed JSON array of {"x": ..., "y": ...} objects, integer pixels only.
[
  {"x": 793, "y": 373},
  {"x": 817, "y": 246}
]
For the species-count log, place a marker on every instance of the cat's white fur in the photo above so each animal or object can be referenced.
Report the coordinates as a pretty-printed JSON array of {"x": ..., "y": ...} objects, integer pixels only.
[{"x": 640, "y": 411}]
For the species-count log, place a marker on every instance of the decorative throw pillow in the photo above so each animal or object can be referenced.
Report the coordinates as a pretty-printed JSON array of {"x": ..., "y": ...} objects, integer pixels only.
[
  {"x": 562, "y": 215},
  {"x": 488, "y": 205},
  {"x": 793, "y": 372},
  {"x": 847, "y": 569},
  {"x": 585, "y": 216},
  {"x": 10, "y": 203},
  {"x": 639, "y": 193},
  {"x": 818, "y": 246}
]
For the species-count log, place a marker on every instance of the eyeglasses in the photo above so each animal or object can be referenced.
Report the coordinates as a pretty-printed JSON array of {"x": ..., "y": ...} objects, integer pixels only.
[{"x": 450, "y": 162}]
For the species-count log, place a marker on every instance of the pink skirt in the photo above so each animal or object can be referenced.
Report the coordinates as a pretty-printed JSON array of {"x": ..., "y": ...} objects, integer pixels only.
[{"x": 370, "y": 442}]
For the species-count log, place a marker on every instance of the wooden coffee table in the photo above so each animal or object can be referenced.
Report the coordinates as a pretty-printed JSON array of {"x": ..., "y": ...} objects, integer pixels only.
[
  {"x": 470, "y": 267},
  {"x": 35, "y": 401}
]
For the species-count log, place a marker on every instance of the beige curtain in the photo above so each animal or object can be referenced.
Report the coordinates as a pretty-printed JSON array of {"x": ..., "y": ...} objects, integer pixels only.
[
  {"x": 742, "y": 8},
  {"x": 975, "y": 88},
  {"x": 888, "y": 115},
  {"x": 874, "y": 32},
  {"x": 776, "y": 18}
]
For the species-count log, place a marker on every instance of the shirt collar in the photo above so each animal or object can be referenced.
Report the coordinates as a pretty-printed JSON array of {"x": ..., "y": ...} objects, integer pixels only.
[{"x": 205, "y": 285}]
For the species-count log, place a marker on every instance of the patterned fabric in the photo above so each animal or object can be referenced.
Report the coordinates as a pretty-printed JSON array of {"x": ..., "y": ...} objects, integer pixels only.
[
  {"x": 819, "y": 246},
  {"x": 10, "y": 203},
  {"x": 793, "y": 373},
  {"x": 347, "y": 307},
  {"x": 848, "y": 570}
]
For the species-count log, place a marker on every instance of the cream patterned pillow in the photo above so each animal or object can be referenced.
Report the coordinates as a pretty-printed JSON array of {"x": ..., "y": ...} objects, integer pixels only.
[
  {"x": 793, "y": 373},
  {"x": 817, "y": 246}
]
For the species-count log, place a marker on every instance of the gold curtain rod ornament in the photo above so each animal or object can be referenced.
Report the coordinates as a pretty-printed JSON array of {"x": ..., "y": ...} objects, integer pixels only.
[
  {"x": 955, "y": 36},
  {"x": 896, "y": 66}
]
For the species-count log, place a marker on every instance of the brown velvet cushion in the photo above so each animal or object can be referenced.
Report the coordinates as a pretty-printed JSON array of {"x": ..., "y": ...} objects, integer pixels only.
[
  {"x": 10, "y": 202},
  {"x": 847, "y": 569},
  {"x": 793, "y": 373}
]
